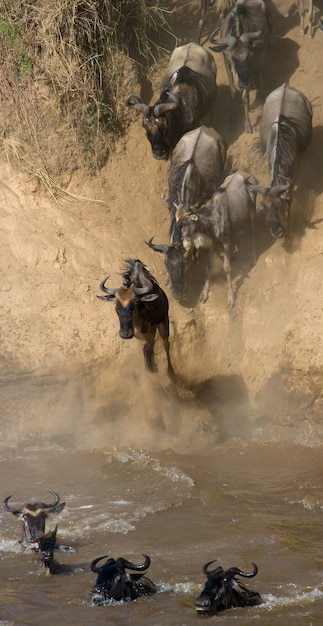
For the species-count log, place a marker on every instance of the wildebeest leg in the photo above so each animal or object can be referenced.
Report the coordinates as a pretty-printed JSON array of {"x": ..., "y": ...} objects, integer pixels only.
[
  {"x": 227, "y": 269},
  {"x": 310, "y": 18},
  {"x": 203, "y": 10},
  {"x": 205, "y": 290},
  {"x": 149, "y": 351},
  {"x": 253, "y": 234},
  {"x": 164, "y": 334},
  {"x": 245, "y": 100},
  {"x": 230, "y": 76},
  {"x": 301, "y": 10}
]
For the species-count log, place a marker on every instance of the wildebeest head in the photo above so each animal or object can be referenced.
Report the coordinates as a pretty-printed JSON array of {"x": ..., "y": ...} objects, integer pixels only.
[
  {"x": 157, "y": 122},
  {"x": 276, "y": 204},
  {"x": 45, "y": 545},
  {"x": 34, "y": 515},
  {"x": 241, "y": 50},
  {"x": 222, "y": 590},
  {"x": 135, "y": 288},
  {"x": 175, "y": 264},
  {"x": 115, "y": 583}
]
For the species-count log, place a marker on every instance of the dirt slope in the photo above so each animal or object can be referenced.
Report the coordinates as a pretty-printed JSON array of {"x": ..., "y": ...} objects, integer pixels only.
[{"x": 53, "y": 256}]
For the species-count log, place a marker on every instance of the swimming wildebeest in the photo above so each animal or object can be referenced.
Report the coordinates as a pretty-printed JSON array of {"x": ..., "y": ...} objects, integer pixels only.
[
  {"x": 244, "y": 40},
  {"x": 45, "y": 545},
  {"x": 33, "y": 515},
  {"x": 285, "y": 131},
  {"x": 187, "y": 95},
  {"x": 115, "y": 583},
  {"x": 142, "y": 307},
  {"x": 214, "y": 227},
  {"x": 196, "y": 170},
  {"x": 222, "y": 591}
]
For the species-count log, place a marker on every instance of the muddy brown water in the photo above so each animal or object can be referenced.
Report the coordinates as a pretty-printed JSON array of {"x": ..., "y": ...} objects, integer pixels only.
[{"x": 163, "y": 477}]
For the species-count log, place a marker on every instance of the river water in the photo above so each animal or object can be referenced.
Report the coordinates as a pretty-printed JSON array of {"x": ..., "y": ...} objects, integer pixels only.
[{"x": 147, "y": 470}]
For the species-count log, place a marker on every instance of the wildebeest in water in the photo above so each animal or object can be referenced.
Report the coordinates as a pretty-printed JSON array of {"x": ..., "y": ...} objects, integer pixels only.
[{"x": 222, "y": 591}]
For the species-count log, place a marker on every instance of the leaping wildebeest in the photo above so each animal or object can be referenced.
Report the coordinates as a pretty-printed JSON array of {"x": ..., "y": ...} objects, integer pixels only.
[
  {"x": 33, "y": 515},
  {"x": 214, "y": 227},
  {"x": 223, "y": 591},
  {"x": 196, "y": 170},
  {"x": 187, "y": 95},
  {"x": 142, "y": 307},
  {"x": 285, "y": 130},
  {"x": 115, "y": 583},
  {"x": 45, "y": 545},
  {"x": 244, "y": 40}
]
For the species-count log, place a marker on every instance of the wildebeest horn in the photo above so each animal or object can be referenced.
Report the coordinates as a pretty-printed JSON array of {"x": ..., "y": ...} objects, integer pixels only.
[
  {"x": 234, "y": 571},
  {"x": 93, "y": 566},
  {"x": 213, "y": 34},
  {"x": 249, "y": 37},
  {"x": 132, "y": 566},
  {"x": 111, "y": 292},
  {"x": 133, "y": 102},
  {"x": 277, "y": 189},
  {"x": 259, "y": 189},
  {"x": 226, "y": 42},
  {"x": 207, "y": 572},
  {"x": 162, "y": 247},
  {"x": 8, "y": 508},
  {"x": 57, "y": 499},
  {"x": 167, "y": 106}
]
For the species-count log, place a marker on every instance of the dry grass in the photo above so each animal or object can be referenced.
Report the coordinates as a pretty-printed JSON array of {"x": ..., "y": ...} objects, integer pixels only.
[{"x": 64, "y": 66}]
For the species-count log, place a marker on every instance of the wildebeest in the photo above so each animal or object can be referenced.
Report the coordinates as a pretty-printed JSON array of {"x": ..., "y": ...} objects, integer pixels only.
[
  {"x": 216, "y": 224},
  {"x": 33, "y": 515},
  {"x": 115, "y": 583},
  {"x": 45, "y": 545},
  {"x": 222, "y": 591},
  {"x": 196, "y": 170},
  {"x": 187, "y": 95},
  {"x": 244, "y": 41},
  {"x": 142, "y": 307},
  {"x": 285, "y": 131}
]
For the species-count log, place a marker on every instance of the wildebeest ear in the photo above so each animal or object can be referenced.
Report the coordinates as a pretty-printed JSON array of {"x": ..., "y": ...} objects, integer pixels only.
[
  {"x": 58, "y": 508},
  {"x": 108, "y": 298},
  {"x": 149, "y": 297}
]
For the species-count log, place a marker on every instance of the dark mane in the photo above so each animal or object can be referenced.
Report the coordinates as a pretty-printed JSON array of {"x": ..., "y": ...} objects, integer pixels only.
[
  {"x": 287, "y": 149},
  {"x": 130, "y": 272},
  {"x": 175, "y": 184}
]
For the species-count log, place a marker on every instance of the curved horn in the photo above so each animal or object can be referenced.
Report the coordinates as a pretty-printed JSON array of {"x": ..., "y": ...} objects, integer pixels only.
[
  {"x": 111, "y": 292},
  {"x": 56, "y": 501},
  {"x": 207, "y": 572},
  {"x": 137, "y": 568},
  {"x": 277, "y": 189},
  {"x": 133, "y": 102},
  {"x": 93, "y": 566},
  {"x": 143, "y": 280},
  {"x": 249, "y": 37},
  {"x": 234, "y": 571},
  {"x": 162, "y": 247},
  {"x": 167, "y": 106},
  {"x": 7, "y": 507},
  {"x": 213, "y": 35}
]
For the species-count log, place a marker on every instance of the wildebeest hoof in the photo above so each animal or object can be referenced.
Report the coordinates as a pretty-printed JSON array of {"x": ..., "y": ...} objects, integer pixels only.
[{"x": 321, "y": 23}]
